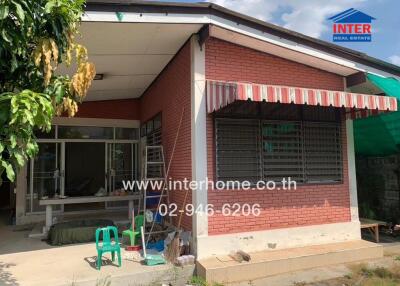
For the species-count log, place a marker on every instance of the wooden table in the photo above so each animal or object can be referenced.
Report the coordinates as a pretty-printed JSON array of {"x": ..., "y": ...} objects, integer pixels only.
[
  {"x": 49, "y": 203},
  {"x": 372, "y": 226}
]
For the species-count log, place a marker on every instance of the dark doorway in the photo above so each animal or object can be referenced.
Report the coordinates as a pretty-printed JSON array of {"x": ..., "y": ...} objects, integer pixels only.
[
  {"x": 84, "y": 172},
  {"x": 7, "y": 201}
]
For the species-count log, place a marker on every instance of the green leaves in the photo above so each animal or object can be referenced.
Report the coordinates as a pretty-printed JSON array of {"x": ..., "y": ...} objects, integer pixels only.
[
  {"x": 3, "y": 11},
  {"x": 5, "y": 36},
  {"x": 19, "y": 11},
  {"x": 27, "y": 97},
  {"x": 49, "y": 6},
  {"x": 28, "y": 110},
  {"x": 9, "y": 170}
]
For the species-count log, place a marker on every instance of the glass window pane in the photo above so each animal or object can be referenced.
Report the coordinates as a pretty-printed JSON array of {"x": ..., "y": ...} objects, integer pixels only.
[
  {"x": 46, "y": 135},
  {"x": 126, "y": 133},
  {"x": 157, "y": 122},
  {"x": 149, "y": 126},
  {"x": 143, "y": 130},
  {"x": 46, "y": 180},
  {"x": 85, "y": 132}
]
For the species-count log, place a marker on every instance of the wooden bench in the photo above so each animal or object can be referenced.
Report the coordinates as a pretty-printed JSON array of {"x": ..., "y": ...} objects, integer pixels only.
[
  {"x": 49, "y": 203},
  {"x": 372, "y": 226}
]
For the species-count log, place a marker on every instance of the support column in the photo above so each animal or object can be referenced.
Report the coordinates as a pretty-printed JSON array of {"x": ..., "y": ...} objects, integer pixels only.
[
  {"x": 130, "y": 209},
  {"x": 49, "y": 217},
  {"x": 351, "y": 161},
  {"x": 21, "y": 192},
  {"x": 199, "y": 139}
]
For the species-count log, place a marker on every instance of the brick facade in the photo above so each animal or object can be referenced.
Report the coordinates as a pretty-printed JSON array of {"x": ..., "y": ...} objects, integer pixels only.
[
  {"x": 170, "y": 94},
  {"x": 111, "y": 109},
  {"x": 309, "y": 204}
]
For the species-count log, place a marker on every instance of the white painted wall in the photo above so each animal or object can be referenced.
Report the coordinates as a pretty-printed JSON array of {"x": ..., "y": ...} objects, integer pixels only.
[
  {"x": 351, "y": 161},
  {"x": 277, "y": 238},
  {"x": 199, "y": 138}
]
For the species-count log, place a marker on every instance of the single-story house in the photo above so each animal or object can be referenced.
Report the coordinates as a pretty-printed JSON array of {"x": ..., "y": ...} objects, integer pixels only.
[{"x": 259, "y": 102}]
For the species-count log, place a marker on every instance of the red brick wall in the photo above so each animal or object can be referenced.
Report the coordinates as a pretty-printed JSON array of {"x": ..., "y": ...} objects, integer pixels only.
[
  {"x": 226, "y": 61},
  {"x": 111, "y": 109},
  {"x": 170, "y": 94},
  {"x": 309, "y": 204}
]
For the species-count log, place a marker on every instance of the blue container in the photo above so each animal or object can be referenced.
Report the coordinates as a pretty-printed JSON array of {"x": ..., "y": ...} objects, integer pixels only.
[
  {"x": 159, "y": 245},
  {"x": 152, "y": 202}
]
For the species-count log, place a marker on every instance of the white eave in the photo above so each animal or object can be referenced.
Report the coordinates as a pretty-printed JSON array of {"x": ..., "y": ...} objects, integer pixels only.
[
  {"x": 133, "y": 50},
  {"x": 130, "y": 55}
]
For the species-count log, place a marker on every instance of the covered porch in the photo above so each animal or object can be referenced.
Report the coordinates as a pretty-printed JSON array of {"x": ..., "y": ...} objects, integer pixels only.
[
  {"x": 83, "y": 163},
  {"x": 32, "y": 262}
]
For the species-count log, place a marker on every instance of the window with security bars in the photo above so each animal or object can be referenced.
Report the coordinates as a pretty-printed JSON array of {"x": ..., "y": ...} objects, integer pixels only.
[
  {"x": 282, "y": 151},
  {"x": 323, "y": 154},
  {"x": 152, "y": 130},
  {"x": 253, "y": 150},
  {"x": 238, "y": 148}
]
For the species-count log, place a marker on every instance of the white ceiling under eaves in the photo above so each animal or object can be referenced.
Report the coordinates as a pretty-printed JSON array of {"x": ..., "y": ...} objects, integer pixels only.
[{"x": 130, "y": 55}]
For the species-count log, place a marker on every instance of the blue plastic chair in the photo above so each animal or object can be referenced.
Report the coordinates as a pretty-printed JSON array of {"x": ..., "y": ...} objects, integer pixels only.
[{"x": 107, "y": 245}]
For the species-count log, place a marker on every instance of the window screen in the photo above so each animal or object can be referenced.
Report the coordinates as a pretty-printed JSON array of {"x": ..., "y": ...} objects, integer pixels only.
[
  {"x": 323, "y": 155},
  {"x": 237, "y": 144},
  {"x": 253, "y": 150},
  {"x": 282, "y": 151}
]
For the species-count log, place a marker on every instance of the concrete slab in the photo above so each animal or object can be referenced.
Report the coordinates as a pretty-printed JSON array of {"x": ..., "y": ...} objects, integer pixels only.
[
  {"x": 75, "y": 265},
  {"x": 31, "y": 262},
  {"x": 267, "y": 263}
]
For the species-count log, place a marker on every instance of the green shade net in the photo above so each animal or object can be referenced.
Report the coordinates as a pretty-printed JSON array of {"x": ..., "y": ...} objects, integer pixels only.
[{"x": 379, "y": 135}]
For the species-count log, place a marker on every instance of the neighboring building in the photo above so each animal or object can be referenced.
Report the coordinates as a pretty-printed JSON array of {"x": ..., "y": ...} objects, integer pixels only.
[{"x": 259, "y": 102}]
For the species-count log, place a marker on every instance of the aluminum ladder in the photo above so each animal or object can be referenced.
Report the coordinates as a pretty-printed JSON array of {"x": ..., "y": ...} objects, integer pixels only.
[{"x": 154, "y": 174}]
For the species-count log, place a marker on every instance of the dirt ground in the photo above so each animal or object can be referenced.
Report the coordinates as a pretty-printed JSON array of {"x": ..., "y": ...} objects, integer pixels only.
[{"x": 364, "y": 275}]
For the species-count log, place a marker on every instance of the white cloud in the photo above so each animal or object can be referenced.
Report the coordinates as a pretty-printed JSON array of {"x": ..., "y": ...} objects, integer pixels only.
[
  {"x": 307, "y": 17},
  {"x": 395, "y": 59},
  {"x": 260, "y": 9}
]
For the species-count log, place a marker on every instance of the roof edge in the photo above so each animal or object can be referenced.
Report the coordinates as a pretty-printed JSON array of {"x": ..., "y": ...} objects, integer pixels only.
[{"x": 140, "y": 6}]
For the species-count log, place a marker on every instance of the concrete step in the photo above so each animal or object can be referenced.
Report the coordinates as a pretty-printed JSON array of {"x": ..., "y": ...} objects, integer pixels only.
[
  {"x": 38, "y": 231},
  {"x": 224, "y": 269}
]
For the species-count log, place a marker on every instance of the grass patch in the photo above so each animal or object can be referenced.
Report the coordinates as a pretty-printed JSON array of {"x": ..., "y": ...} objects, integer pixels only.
[
  {"x": 199, "y": 281},
  {"x": 363, "y": 275}
]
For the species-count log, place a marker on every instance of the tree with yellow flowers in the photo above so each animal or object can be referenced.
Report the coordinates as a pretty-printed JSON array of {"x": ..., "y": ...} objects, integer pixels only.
[{"x": 35, "y": 37}]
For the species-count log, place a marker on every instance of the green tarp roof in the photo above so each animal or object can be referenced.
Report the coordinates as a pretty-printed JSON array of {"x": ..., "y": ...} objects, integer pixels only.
[{"x": 379, "y": 135}]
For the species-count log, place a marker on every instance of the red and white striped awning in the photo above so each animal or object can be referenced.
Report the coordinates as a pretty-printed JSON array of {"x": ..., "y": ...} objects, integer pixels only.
[{"x": 220, "y": 94}]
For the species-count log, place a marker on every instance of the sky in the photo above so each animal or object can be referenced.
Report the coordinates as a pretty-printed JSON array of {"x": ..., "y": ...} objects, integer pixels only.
[{"x": 310, "y": 17}]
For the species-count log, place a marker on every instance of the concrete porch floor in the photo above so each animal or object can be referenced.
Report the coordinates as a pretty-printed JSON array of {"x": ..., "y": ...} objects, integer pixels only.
[{"x": 30, "y": 261}]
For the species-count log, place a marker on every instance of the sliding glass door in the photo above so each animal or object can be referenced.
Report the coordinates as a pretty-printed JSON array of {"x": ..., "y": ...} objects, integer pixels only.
[
  {"x": 121, "y": 166},
  {"x": 82, "y": 161},
  {"x": 45, "y": 178}
]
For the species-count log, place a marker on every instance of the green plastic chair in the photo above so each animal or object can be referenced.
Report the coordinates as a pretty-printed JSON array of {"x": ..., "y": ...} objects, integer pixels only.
[
  {"x": 107, "y": 245},
  {"x": 134, "y": 235}
]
